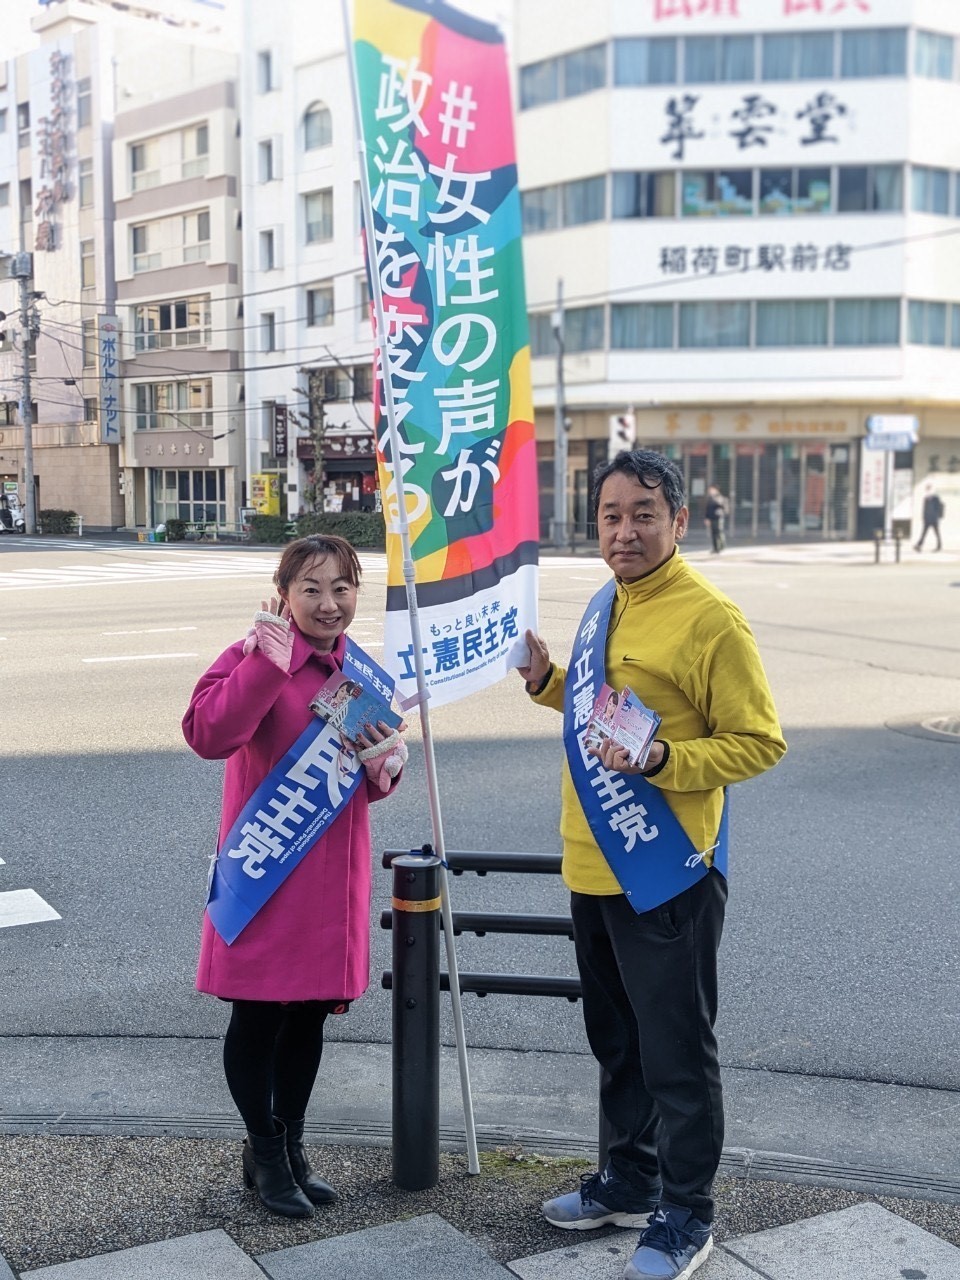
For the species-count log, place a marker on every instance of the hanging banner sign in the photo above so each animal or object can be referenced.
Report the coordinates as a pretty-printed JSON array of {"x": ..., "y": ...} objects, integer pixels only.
[
  {"x": 108, "y": 343},
  {"x": 445, "y": 244}
]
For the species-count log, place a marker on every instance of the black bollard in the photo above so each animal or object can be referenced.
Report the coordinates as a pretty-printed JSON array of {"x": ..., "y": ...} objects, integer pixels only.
[{"x": 416, "y": 1021}]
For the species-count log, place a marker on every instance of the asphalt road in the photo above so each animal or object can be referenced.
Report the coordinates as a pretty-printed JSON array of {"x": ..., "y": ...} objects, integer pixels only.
[{"x": 842, "y": 951}]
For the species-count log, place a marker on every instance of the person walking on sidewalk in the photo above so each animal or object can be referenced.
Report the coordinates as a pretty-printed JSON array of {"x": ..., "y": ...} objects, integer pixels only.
[
  {"x": 285, "y": 933},
  {"x": 932, "y": 515},
  {"x": 715, "y": 518},
  {"x": 645, "y": 858}
]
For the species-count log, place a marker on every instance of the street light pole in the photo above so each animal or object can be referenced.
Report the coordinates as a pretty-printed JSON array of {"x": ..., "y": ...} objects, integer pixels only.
[
  {"x": 21, "y": 268},
  {"x": 559, "y": 434}
]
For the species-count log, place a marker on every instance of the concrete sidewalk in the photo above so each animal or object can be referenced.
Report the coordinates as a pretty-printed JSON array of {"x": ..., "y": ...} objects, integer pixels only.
[{"x": 798, "y": 1148}]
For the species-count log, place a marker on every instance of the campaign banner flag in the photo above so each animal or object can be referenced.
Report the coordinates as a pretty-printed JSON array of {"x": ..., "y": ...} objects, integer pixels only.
[{"x": 435, "y": 107}]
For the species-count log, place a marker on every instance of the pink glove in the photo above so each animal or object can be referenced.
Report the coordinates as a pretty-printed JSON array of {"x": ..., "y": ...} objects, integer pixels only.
[
  {"x": 271, "y": 634},
  {"x": 384, "y": 760}
]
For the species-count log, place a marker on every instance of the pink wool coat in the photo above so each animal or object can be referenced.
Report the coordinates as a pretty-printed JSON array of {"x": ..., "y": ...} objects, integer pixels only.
[{"x": 311, "y": 940}]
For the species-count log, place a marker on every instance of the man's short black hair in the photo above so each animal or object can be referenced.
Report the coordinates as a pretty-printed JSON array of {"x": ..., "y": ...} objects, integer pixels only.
[{"x": 652, "y": 469}]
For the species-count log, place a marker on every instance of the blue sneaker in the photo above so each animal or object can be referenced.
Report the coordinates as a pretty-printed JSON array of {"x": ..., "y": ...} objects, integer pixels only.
[
  {"x": 672, "y": 1247},
  {"x": 603, "y": 1199}
]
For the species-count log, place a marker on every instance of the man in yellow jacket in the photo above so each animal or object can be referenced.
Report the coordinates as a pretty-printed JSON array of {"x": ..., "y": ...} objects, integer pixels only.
[{"x": 645, "y": 857}]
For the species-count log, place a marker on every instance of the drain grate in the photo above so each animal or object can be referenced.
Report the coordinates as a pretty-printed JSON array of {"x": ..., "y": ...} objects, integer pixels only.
[{"x": 938, "y": 727}]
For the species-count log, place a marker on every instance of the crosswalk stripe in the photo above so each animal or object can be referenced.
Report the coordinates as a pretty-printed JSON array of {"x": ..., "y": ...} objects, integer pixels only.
[{"x": 24, "y": 906}]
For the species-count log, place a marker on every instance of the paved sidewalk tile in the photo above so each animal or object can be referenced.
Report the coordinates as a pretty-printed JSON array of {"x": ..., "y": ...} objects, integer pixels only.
[
  {"x": 5, "y": 1272},
  {"x": 866, "y": 1241},
  {"x": 194, "y": 1257},
  {"x": 605, "y": 1258},
  {"x": 426, "y": 1248}
]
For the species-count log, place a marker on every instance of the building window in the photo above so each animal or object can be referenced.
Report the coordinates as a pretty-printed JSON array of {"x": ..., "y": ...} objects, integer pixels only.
[
  {"x": 317, "y": 127},
  {"x": 541, "y": 209},
  {"x": 196, "y": 236},
  {"x": 794, "y": 191},
  {"x": 874, "y": 188},
  {"x": 363, "y": 382},
  {"x": 199, "y": 497},
  {"x": 792, "y": 324},
  {"x": 88, "y": 269},
  {"x": 641, "y": 326},
  {"x": 539, "y": 83},
  {"x": 644, "y": 195},
  {"x": 84, "y": 102},
  {"x": 4, "y": 194},
  {"x": 85, "y": 183},
  {"x": 714, "y": 324},
  {"x": 866, "y": 322},
  {"x": 929, "y": 190},
  {"x": 805, "y": 56},
  {"x": 26, "y": 200},
  {"x": 584, "y": 70},
  {"x": 927, "y": 323},
  {"x": 268, "y": 331},
  {"x": 182, "y": 322},
  {"x": 265, "y": 71},
  {"x": 174, "y": 405},
  {"x": 89, "y": 343},
  {"x": 955, "y": 325},
  {"x": 89, "y": 410},
  {"x": 363, "y": 298},
  {"x": 933, "y": 55},
  {"x": 3, "y": 119},
  {"x": 708, "y": 59},
  {"x": 543, "y": 340},
  {"x": 717, "y": 194},
  {"x": 644, "y": 61},
  {"x": 140, "y": 238},
  {"x": 318, "y": 216},
  {"x": 583, "y": 329},
  {"x": 145, "y": 164},
  {"x": 195, "y": 151},
  {"x": 265, "y": 171},
  {"x": 23, "y": 124},
  {"x": 268, "y": 259},
  {"x": 878, "y": 52},
  {"x": 584, "y": 201},
  {"x": 320, "y": 306}
]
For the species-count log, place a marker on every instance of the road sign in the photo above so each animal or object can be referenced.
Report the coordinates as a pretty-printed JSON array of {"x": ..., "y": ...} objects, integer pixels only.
[{"x": 890, "y": 441}]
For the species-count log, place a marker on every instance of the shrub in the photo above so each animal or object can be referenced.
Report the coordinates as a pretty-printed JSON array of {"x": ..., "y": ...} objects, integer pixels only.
[
  {"x": 360, "y": 528},
  {"x": 268, "y": 529},
  {"x": 176, "y": 530},
  {"x": 54, "y": 520}
]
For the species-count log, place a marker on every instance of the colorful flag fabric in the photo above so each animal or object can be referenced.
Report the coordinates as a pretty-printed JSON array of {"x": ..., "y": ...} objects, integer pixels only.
[{"x": 435, "y": 106}]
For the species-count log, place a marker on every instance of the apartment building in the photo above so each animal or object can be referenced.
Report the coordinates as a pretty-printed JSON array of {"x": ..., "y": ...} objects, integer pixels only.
[
  {"x": 308, "y": 333},
  {"x": 62, "y": 161},
  {"x": 753, "y": 206}
]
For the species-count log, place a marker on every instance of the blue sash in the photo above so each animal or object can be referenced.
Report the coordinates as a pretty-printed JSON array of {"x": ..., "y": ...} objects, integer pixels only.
[
  {"x": 288, "y": 813},
  {"x": 645, "y": 846}
]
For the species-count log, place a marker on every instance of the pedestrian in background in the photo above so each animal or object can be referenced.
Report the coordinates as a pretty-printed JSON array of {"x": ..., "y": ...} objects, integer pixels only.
[
  {"x": 645, "y": 858},
  {"x": 932, "y": 515},
  {"x": 306, "y": 952},
  {"x": 715, "y": 518}
]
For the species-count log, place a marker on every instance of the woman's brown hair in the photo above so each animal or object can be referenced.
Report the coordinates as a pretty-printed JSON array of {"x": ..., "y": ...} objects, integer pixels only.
[{"x": 301, "y": 552}]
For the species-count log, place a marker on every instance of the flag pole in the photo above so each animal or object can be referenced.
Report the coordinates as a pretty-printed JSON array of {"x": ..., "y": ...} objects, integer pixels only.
[{"x": 410, "y": 581}]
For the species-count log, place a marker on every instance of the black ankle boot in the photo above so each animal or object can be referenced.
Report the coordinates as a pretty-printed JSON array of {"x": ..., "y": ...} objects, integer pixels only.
[
  {"x": 267, "y": 1167},
  {"x": 311, "y": 1184}
]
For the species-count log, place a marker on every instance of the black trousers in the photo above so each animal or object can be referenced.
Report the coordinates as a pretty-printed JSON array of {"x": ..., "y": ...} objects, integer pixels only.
[
  {"x": 716, "y": 535},
  {"x": 649, "y": 1004},
  {"x": 935, "y": 526},
  {"x": 271, "y": 1055}
]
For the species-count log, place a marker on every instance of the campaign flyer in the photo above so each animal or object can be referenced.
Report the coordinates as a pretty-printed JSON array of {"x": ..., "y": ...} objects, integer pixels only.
[
  {"x": 635, "y": 727},
  {"x": 602, "y": 717},
  {"x": 347, "y": 706}
]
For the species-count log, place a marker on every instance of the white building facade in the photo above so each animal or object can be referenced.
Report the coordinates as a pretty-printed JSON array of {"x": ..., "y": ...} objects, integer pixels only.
[
  {"x": 308, "y": 332},
  {"x": 753, "y": 206}
]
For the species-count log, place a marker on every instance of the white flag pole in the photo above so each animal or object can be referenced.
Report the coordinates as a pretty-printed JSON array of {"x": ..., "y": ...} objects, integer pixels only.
[{"x": 410, "y": 581}]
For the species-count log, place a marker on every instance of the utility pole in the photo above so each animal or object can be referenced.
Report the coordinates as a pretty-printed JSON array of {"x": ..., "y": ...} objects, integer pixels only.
[
  {"x": 559, "y": 434},
  {"x": 21, "y": 268}
]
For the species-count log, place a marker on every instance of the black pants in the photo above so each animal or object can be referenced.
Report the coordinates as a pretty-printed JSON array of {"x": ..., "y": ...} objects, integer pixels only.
[
  {"x": 935, "y": 526},
  {"x": 716, "y": 535},
  {"x": 271, "y": 1055},
  {"x": 649, "y": 1004}
]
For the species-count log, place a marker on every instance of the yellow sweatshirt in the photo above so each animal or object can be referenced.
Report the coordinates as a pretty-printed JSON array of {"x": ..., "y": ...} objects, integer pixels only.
[{"x": 687, "y": 652}]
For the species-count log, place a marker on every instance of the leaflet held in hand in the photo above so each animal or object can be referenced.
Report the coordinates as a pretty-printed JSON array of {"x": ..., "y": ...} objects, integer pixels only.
[
  {"x": 349, "y": 707},
  {"x": 625, "y": 719}
]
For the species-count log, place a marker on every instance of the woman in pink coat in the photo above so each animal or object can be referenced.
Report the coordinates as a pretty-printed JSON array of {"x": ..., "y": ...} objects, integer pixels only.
[{"x": 305, "y": 953}]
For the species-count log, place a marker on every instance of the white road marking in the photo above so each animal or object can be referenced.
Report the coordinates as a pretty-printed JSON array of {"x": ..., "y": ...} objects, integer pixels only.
[
  {"x": 150, "y": 631},
  {"x": 23, "y": 906},
  {"x": 2, "y": 863},
  {"x": 141, "y": 657}
]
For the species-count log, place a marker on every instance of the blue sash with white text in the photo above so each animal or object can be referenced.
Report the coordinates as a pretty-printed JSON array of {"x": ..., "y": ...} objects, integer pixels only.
[
  {"x": 288, "y": 813},
  {"x": 645, "y": 846}
]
